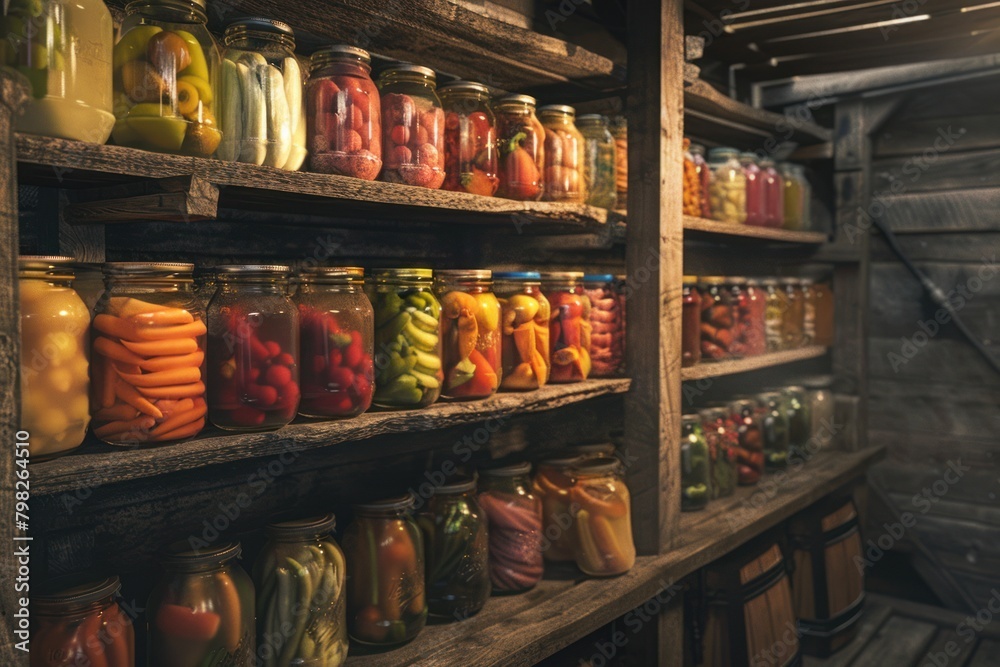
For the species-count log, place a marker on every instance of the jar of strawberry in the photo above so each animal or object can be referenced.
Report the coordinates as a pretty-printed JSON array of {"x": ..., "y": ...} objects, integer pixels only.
[
  {"x": 470, "y": 139},
  {"x": 412, "y": 126}
]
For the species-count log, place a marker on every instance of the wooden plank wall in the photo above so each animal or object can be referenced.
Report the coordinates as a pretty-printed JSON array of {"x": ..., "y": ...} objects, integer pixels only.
[{"x": 934, "y": 401}]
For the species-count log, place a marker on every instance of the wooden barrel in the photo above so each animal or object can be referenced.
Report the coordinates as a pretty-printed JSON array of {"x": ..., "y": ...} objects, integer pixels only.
[{"x": 827, "y": 584}]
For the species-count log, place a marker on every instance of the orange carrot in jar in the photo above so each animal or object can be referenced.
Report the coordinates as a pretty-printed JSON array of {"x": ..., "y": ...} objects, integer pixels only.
[
  {"x": 163, "y": 318},
  {"x": 187, "y": 431},
  {"x": 117, "y": 628},
  {"x": 115, "y": 350},
  {"x": 117, "y": 412},
  {"x": 132, "y": 397},
  {"x": 182, "y": 416},
  {"x": 108, "y": 379},
  {"x": 143, "y": 423},
  {"x": 613, "y": 508},
  {"x": 162, "y": 347},
  {"x": 166, "y": 363},
  {"x": 229, "y": 610},
  {"x": 162, "y": 378},
  {"x": 613, "y": 553},
  {"x": 190, "y": 390},
  {"x": 93, "y": 648},
  {"x": 114, "y": 326},
  {"x": 192, "y": 330}
]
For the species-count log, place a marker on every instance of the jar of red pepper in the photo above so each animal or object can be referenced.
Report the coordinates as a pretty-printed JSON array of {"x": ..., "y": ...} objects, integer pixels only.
[
  {"x": 336, "y": 337},
  {"x": 607, "y": 338},
  {"x": 716, "y": 319},
  {"x": 522, "y": 148},
  {"x": 755, "y": 332},
  {"x": 470, "y": 332},
  {"x": 691, "y": 323},
  {"x": 774, "y": 194},
  {"x": 569, "y": 326},
  {"x": 525, "y": 342},
  {"x": 412, "y": 126},
  {"x": 470, "y": 139},
  {"x": 756, "y": 211},
  {"x": 750, "y": 453}
]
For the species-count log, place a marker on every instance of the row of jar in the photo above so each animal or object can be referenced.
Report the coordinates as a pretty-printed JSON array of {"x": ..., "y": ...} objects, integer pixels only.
[
  {"x": 743, "y": 188},
  {"x": 159, "y": 368},
  {"x": 165, "y": 87},
  {"x": 723, "y": 446},
  {"x": 735, "y": 317},
  {"x": 399, "y": 564}
]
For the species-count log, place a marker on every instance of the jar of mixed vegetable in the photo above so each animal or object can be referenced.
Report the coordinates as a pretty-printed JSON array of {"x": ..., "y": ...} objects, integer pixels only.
[
  {"x": 692, "y": 183},
  {"x": 793, "y": 318},
  {"x": 755, "y": 331},
  {"x": 728, "y": 188},
  {"x": 552, "y": 483},
  {"x": 750, "y": 452},
  {"x": 775, "y": 305},
  {"x": 704, "y": 173},
  {"x": 515, "y": 527},
  {"x": 525, "y": 320},
  {"x": 723, "y": 441},
  {"x": 598, "y": 161},
  {"x": 470, "y": 139},
  {"x": 563, "y": 177},
  {"x": 470, "y": 333},
  {"x": 522, "y": 148},
  {"x": 716, "y": 319},
  {"x": 412, "y": 126},
  {"x": 602, "y": 513},
  {"x": 569, "y": 326},
  {"x": 774, "y": 428},
  {"x": 607, "y": 338},
  {"x": 696, "y": 469},
  {"x": 619, "y": 130}
]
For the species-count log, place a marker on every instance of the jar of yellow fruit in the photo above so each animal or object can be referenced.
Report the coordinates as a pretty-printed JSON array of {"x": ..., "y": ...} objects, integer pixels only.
[{"x": 54, "y": 367}]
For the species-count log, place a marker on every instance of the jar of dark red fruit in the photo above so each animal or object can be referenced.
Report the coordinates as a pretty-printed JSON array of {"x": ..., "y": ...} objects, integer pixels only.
[
  {"x": 343, "y": 114},
  {"x": 253, "y": 349},
  {"x": 470, "y": 139},
  {"x": 750, "y": 452},
  {"x": 336, "y": 338},
  {"x": 522, "y": 148},
  {"x": 412, "y": 126},
  {"x": 691, "y": 323},
  {"x": 716, "y": 319}
]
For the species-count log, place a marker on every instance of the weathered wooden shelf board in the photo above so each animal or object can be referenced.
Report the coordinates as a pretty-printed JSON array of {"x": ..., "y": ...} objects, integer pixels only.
[
  {"x": 705, "y": 226},
  {"x": 710, "y": 369},
  {"x": 214, "y": 447},
  {"x": 520, "y": 630}
]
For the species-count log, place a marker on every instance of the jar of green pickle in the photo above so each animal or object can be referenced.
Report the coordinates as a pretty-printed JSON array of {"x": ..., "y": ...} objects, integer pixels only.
[
  {"x": 696, "y": 481},
  {"x": 722, "y": 439},
  {"x": 775, "y": 305},
  {"x": 598, "y": 161},
  {"x": 796, "y": 405},
  {"x": 774, "y": 425}
]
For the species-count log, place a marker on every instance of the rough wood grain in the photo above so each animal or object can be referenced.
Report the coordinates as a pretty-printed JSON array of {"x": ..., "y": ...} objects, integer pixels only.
[
  {"x": 875, "y": 614},
  {"x": 939, "y": 409},
  {"x": 177, "y": 198},
  {"x": 946, "y": 359},
  {"x": 898, "y": 643},
  {"x": 972, "y": 209},
  {"x": 731, "y": 366},
  {"x": 712, "y": 227}
]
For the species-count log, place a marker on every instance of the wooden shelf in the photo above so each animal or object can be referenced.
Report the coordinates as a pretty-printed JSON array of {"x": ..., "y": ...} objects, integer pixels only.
[
  {"x": 713, "y": 227},
  {"x": 711, "y": 369},
  {"x": 112, "y": 465},
  {"x": 518, "y": 630}
]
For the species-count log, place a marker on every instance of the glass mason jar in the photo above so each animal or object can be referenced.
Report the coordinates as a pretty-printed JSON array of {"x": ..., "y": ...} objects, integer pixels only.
[
  {"x": 343, "y": 114},
  {"x": 607, "y": 337},
  {"x": 336, "y": 342},
  {"x": 204, "y": 285},
  {"x": 619, "y": 130},
  {"x": 728, "y": 188},
  {"x": 201, "y": 611},
  {"x": 820, "y": 401},
  {"x": 750, "y": 452},
  {"x": 793, "y": 319},
  {"x": 822, "y": 297},
  {"x": 253, "y": 349},
  {"x": 165, "y": 87},
  {"x": 598, "y": 161},
  {"x": 55, "y": 322},
  {"x": 808, "y": 311},
  {"x": 65, "y": 51},
  {"x": 796, "y": 405},
  {"x": 755, "y": 332},
  {"x": 775, "y": 305},
  {"x": 515, "y": 527},
  {"x": 552, "y": 483},
  {"x": 602, "y": 518},
  {"x": 522, "y": 148},
  {"x": 470, "y": 139},
  {"x": 563, "y": 177},
  {"x": 78, "y": 622},
  {"x": 755, "y": 199},
  {"x": 147, "y": 355},
  {"x": 408, "y": 370},
  {"x": 716, "y": 319},
  {"x": 569, "y": 326},
  {"x": 300, "y": 581},
  {"x": 456, "y": 550},
  {"x": 774, "y": 425},
  {"x": 740, "y": 299},
  {"x": 691, "y": 323},
  {"x": 796, "y": 196},
  {"x": 412, "y": 127},
  {"x": 525, "y": 320},
  {"x": 470, "y": 333},
  {"x": 722, "y": 439},
  {"x": 774, "y": 194},
  {"x": 692, "y": 183},
  {"x": 704, "y": 173},
  {"x": 384, "y": 549},
  {"x": 260, "y": 109},
  {"x": 696, "y": 471}
]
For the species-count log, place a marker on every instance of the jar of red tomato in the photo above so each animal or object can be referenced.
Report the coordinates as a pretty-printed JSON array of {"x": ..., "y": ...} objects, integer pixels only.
[
  {"x": 336, "y": 338},
  {"x": 563, "y": 155},
  {"x": 750, "y": 452},
  {"x": 343, "y": 114},
  {"x": 78, "y": 622},
  {"x": 470, "y": 333},
  {"x": 412, "y": 126},
  {"x": 253, "y": 349},
  {"x": 569, "y": 326},
  {"x": 704, "y": 179},
  {"x": 755, "y": 330},
  {"x": 470, "y": 139},
  {"x": 756, "y": 204},
  {"x": 774, "y": 194},
  {"x": 691, "y": 323},
  {"x": 522, "y": 148},
  {"x": 737, "y": 288},
  {"x": 716, "y": 319},
  {"x": 607, "y": 338}
]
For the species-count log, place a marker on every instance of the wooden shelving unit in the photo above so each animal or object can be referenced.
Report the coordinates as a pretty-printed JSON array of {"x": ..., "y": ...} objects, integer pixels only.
[
  {"x": 705, "y": 229},
  {"x": 712, "y": 369}
]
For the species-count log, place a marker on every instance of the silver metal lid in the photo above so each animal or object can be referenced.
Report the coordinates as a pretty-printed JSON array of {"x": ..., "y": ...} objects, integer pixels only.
[
  {"x": 335, "y": 50},
  {"x": 464, "y": 274},
  {"x": 557, "y": 108},
  {"x": 591, "y": 118},
  {"x": 244, "y": 269},
  {"x": 408, "y": 68},
  {"x": 463, "y": 87},
  {"x": 146, "y": 268},
  {"x": 516, "y": 99},
  {"x": 263, "y": 24}
]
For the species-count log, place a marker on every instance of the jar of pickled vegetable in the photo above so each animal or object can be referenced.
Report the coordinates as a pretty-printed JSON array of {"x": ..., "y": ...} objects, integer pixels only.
[
  {"x": 165, "y": 68},
  {"x": 820, "y": 402},
  {"x": 793, "y": 319},
  {"x": 796, "y": 405},
  {"x": 343, "y": 113},
  {"x": 336, "y": 342},
  {"x": 704, "y": 173},
  {"x": 728, "y": 188},
  {"x": 470, "y": 333},
  {"x": 65, "y": 51},
  {"x": 690, "y": 323},
  {"x": 696, "y": 480},
  {"x": 619, "y": 130},
  {"x": 774, "y": 194},
  {"x": 470, "y": 139},
  {"x": 822, "y": 298},
  {"x": 201, "y": 612},
  {"x": 774, "y": 428},
  {"x": 563, "y": 176},
  {"x": 515, "y": 527},
  {"x": 598, "y": 161},
  {"x": 692, "y": 183},
  {"x": 796, "y": 196},
  {"x": 552, "y": 483},
  {"x": 723, "y": 441},
  {"x": 261, "y": 114},
  {"x": 603, "y": 518},
  {"x": 300, "y": 581},
  {"x": 775, "y": 305},
  {"x": 55, "y": 408},
  {"x": 456, "y": 550},
  {"x": 522, "y": 148},
  {"x": 755, "y": 200},
  {"x": 408, "y": 371},
  {"x": 808, "y": 311},
  {"x": 750, "y": 452},
  {"x": 147, "y": 355},
  {"x": 569, "y": 326},
  {"x": 607, "y": 337},
  {"x": 740, "y": 299},
  {"x": 525, "y": 320},
  {"x": 253, "y": 349},
  {"x": 755, "y": 332},
  {"x": 412, "y": 127},
  {"x": 384, "y": 549},
  {"x": 78, "y": 622},
  {"x": 716, "y": 319}
]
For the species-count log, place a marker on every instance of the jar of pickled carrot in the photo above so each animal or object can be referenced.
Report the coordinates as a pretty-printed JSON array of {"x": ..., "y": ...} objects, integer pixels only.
[
  {"x": 470, "y": 333},
  {"x": 148, "y": 353},
  {"x": 552, "y": 483},
  {"x": 514, "y": 513},
  {"x": 563, "y": 176},
  {"x": 603, "y": 522},
  {"x": 525, "y": 330},
  {"x": 607, "y": 321},
  {"x": 569, "y": 326}
]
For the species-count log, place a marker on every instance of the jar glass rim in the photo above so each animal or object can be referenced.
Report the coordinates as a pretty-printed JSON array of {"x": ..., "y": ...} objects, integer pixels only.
[
  {"x": 463, "y": 86},
  {"x": 181, "y": 554},
  {"x": 76, "y": 590},
  {"x": 517, "y": 100},
  {"x": 405, "y": 502},
  {"x": 260, "y": 24},
  {"x": 597, "y": 466},
  {"x": 557, "y": 109},
  {"x": 335, "y": 51},
  {"x": 463, "y": 274},
  {"x": 332, "y": 274},
  {"x": 512, "y": 470},
  {"x": 409, "y": 68},
  {"x": 387, "y": 275},
  {"x": 317, "y": 525}
]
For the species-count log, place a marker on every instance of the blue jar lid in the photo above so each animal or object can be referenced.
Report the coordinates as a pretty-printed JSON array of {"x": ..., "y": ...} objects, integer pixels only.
[
  {"x": 517, "y": 275},
  {"x": 598, "y": 278}
]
